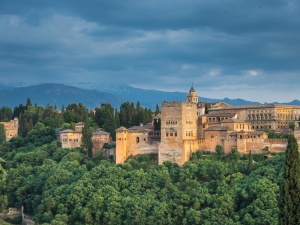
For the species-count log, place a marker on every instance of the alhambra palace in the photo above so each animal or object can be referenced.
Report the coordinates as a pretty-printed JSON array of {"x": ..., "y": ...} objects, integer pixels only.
[{"x": 188, "y": 126}]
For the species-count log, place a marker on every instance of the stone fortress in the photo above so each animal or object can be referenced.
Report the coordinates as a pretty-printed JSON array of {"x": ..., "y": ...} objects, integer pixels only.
[{"x": 190, "y": 126}]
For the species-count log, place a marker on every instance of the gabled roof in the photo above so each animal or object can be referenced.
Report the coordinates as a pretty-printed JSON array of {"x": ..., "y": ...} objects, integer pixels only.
[
  {"x": 121, "y": 129},
  {"x": 218, "y": 105},
  {"x": 99, "y": 131}
]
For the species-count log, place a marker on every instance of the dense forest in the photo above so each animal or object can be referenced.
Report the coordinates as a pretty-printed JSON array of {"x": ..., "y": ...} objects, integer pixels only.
[
  {"x": 105, "y": 117},
  {"x": 65, "y": 186}
]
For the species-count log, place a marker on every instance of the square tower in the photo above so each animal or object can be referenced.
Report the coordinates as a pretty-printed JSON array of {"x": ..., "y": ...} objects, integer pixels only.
[{"x": 178, "y": 131}]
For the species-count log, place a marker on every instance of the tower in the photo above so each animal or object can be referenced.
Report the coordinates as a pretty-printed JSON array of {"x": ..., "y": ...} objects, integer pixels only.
[{"x": 192, "y": 95}]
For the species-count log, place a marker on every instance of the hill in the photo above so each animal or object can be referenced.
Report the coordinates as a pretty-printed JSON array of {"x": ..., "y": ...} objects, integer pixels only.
[
  {"x": 56, "y": 94},
  {"x": 59, "y": 94}
]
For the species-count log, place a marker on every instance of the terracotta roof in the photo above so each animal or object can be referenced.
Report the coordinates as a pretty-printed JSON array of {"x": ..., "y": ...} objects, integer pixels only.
[
  {"x": 99, "y": 131},
  {"x": 220, "y": 128},
  {"x": 231, "y": 120},
  {"x": 121, "y": 128},
  {"x": 258, "y": 132},
  {"x": 220, "y": 114},
  {"x": 141, "y": 128},
  {"x": 69, "y": 131}
]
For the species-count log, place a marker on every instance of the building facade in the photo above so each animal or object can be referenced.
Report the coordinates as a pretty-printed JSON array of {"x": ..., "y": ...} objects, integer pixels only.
[
  {"x": 72, "y": 138},
  {"x": 11, "y": 128},
  {"x": 190, "y": 126}
]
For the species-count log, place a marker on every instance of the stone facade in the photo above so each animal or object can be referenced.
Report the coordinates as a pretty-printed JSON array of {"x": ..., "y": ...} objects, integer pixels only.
[
  {"x": 72, "y": 138},
  {"x": 190, "y": 126},
  {"x": 136, "y": 140},
  {"x": 274, "y": 116},
  {"x": 11, "y": 128}
]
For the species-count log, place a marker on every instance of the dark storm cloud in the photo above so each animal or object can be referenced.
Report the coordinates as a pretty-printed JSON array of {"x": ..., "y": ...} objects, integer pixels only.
[{"x": 233, "y": 48}]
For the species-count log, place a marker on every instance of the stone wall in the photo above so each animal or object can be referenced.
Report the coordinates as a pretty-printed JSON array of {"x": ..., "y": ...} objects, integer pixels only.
[{"x": 11, "y": 128}]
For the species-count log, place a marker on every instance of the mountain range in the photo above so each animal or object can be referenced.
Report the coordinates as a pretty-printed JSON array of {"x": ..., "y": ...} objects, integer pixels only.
[{"x": 60, "y": 94}]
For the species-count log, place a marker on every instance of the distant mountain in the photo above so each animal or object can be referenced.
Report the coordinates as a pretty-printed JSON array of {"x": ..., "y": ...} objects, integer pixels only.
[
  {"x": 150, "y": 98},
  {"x": 5, "y": 87},
  {"x": 56, "y": 94},
  {"x": 59, "y": 94},
  {"x": 294, "y": 102}
]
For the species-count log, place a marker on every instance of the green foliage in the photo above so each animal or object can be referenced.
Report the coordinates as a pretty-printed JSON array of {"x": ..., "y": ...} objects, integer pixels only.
[
  {"x": 105, "y": 118},
  {"x": 290, "y": 198},
  {"x": 14, "y": 220},
  {"x": 65, "y": 186},
  {"x": 134, "y": 116},
  {"x": 6, "y": 114},
  {"x": 292, "y": 126},
  {"x": 219, "y": 151},
  {"x": 250, "y": 162},
  {"x": 86, "y": 139},
  {"x": 2, "y": 133}
]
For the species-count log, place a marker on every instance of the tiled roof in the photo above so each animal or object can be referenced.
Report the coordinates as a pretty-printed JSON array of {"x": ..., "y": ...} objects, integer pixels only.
[
  {"x": 219, "y": 128},
  {"x": 121, "y": 129}
]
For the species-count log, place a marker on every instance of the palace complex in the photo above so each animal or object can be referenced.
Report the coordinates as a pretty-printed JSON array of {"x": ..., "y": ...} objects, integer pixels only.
[{"x": 190, "y": 126}]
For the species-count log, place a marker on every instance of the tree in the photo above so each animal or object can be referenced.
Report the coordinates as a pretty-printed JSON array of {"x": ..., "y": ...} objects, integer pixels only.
[
  {"x": 2, "y": 133},
  {"x": 3, "y": 198},
  {"x": 250, "y": 162},
  {"x": 219, "y": 150},
  {"x": 86, "y": 139},
  {"x": 290, "y": 192},
  {"x": 292, "y": 126}
]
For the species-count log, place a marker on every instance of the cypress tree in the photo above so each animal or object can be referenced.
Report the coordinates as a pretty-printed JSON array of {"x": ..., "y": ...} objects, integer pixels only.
[
  {"x": 86, "y": 139},
  {"x": 290, "y": 191},
  {"x": 250, "y": 163}
]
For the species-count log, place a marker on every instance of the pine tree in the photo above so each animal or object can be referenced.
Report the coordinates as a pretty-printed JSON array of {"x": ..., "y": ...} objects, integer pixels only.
[
  {"x": 290, "y": 191},
  {"x": 86, "y": 139}
]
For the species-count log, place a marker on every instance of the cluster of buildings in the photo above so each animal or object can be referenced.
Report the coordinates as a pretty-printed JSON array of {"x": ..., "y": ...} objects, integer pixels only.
[
  {"x": 186, "y": 127},
  {"x": 72, "y": 138},
  {"x": 190, "y": 126}
]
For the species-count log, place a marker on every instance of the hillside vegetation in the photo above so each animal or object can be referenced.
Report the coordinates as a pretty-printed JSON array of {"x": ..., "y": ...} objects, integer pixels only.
[{"x": 64, "y": 186}]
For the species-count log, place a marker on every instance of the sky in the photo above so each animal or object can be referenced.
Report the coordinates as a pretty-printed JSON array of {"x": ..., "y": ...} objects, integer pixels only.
[{"x": 226, "y": 48}]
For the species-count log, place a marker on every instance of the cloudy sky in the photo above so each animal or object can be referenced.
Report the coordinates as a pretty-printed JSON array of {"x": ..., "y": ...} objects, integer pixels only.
[{"x": 229, "y": 48}]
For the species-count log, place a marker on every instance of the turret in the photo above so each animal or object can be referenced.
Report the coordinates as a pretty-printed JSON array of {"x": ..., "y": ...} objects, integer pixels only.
[{"x": 192, "y": 95}]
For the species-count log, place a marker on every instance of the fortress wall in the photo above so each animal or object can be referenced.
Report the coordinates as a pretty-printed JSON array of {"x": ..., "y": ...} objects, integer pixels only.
[{"x": 149, "y": 148}]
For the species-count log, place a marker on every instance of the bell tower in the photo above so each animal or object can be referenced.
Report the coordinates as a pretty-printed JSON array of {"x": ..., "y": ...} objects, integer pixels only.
[{"x": 192, "y": 95}]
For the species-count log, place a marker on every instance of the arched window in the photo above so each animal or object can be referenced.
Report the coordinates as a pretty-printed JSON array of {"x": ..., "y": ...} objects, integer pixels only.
[{"x": 137, "y": 140}]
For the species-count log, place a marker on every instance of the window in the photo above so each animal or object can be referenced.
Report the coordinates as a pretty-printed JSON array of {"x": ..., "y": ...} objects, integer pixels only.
[
  {"x": 167, "y": 134},
  {"x": 175, "y": 134},
  {"x": 137, "y": 140}
]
